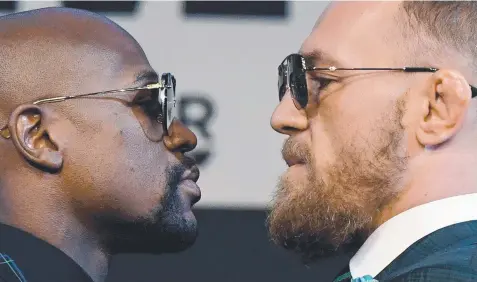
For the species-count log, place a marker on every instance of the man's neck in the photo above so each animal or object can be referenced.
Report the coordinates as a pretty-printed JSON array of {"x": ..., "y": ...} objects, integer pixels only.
[
  {"x": 69, "y": 236},
  {"x": 434, "y": 176}
]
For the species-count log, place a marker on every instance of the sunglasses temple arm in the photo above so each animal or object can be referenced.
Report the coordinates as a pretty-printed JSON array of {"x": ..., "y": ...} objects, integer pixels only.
[{"x": 418, "y": 69}]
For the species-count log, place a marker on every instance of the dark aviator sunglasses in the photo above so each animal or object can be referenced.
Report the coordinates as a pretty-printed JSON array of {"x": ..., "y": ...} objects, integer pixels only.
[{"x": 292, "y": 75}]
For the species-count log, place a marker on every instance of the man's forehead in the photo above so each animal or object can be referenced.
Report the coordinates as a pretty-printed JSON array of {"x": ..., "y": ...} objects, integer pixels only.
[
  {"x": 59, "y": 43},
  {"x": 355, "y": 34},
  {"x": 72, "y": 70}
]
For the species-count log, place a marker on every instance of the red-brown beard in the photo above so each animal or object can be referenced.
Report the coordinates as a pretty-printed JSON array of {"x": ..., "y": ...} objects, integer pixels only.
[{"x": 317, "y": 218}]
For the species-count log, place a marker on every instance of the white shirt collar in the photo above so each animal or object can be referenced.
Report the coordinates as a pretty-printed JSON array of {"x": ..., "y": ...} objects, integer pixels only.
[{"x": 401, "y": 231}]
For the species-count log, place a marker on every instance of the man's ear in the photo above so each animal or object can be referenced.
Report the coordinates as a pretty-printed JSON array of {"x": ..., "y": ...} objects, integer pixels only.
[
  {"x": 29, "y": 129},
  {"x": 445, "y": 105}
]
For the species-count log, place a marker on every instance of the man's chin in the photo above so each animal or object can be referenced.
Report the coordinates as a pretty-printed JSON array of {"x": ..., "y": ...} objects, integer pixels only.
[
  {"x": 175, "y": 228},
  {"x": 174, "y": 234},
  {"x": 178, "y": 237},
  {"x": 169, "y": 235},
  {"x": 312, "y": 248},
  {"x": 307, "y": 235}
]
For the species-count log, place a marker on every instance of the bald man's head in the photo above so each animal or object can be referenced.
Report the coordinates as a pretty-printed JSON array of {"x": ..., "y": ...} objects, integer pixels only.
[
  {"x": 100, "y": 160},
  {"x": 55, "y": 50}
]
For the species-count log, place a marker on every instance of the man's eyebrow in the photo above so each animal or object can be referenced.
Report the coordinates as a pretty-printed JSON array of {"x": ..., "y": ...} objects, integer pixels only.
[
  {"x": 318, "y": 56},
  {"x": 147, "y": 76}
]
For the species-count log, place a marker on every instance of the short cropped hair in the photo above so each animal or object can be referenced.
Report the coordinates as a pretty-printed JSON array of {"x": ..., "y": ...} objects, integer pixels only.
[{"x": 447, "y": 24}]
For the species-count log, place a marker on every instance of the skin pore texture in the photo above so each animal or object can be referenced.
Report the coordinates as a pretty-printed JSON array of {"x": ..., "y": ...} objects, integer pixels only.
[
  {"x": 370, "y": 145},
  {"x": 92, "y": 176}
]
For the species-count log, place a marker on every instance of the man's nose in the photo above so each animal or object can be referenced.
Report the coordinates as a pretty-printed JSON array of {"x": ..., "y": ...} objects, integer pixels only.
[
  {"x": 180, "y": 138},
  {"x": 286, "y": 119}
]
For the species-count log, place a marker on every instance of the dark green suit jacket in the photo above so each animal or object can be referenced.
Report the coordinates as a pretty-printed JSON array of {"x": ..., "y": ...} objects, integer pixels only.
[{"x": 448, "y": 254}]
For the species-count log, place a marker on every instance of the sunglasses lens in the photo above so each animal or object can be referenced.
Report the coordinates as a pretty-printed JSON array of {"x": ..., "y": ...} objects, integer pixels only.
[
  {"x": 282, "y": 87},
  {"x": 291, "y": 74},
  {"x": 168, "y": 97},
  {"x": 298, "y": 81}
]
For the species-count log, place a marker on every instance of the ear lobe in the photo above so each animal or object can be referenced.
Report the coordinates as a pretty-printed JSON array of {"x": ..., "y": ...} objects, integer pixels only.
[
  {"x": 445, "y": 108},
  {"x": 29, "y": 133}
]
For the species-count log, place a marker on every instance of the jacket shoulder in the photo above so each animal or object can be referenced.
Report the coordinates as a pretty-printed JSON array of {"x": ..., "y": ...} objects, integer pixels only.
[{"x": 458, "y": 264}]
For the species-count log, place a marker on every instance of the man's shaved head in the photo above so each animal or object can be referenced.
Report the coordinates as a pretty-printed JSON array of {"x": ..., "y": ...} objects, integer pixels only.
[
  {"x": 98, "y": 170},
  {"x": 439, "y": 33},
  {"x": 55, "y": 48},
  {"x": 439, "y": 27}
]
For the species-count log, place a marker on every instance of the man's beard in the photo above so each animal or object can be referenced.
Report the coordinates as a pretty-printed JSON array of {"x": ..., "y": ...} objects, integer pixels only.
[{"x": 317, "y": 218}]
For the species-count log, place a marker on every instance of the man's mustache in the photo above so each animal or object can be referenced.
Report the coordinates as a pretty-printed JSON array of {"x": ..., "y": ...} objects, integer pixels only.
[
  {"x": 175, "y": 172},
  {"x": 295, "y": 152},
  {"x": 188, "y": 161}
]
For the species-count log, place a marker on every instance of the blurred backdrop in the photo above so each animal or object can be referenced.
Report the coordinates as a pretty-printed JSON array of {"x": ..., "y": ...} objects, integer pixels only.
[{"x": 224, "y": 56}]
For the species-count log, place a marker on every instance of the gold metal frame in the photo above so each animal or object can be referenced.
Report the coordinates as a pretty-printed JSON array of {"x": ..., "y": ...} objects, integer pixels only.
[{"x": 5, "y": 132}]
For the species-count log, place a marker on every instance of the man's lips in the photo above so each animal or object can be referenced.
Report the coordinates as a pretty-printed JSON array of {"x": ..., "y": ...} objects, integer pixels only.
[
  {"x": 291, "y": 161},
  {"x": 192, "y": 190},
  {"x": 188, "y": 181},
  {"x": 191, "y": 174}
]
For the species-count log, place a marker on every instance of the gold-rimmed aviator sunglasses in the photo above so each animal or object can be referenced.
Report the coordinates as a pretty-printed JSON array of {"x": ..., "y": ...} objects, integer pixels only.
[{"x": 164, "y": 90}]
